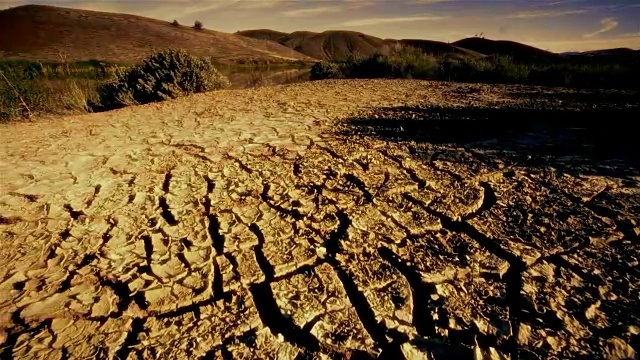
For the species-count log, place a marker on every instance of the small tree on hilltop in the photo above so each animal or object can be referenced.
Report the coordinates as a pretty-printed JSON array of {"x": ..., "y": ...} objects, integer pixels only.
[
  {"x": 175, "y": 23},
  {"x": 198, "y": 25}
]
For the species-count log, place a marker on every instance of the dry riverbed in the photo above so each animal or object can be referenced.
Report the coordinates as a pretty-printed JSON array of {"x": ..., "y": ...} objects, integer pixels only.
[{"x": 326, "y": 220}]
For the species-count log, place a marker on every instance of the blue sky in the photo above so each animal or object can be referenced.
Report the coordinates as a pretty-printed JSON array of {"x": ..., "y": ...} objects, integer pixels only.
[{"x": 557, "y": 25}]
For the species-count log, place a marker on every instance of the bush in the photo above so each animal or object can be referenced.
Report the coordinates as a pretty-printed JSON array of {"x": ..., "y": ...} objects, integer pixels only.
[
  {"x": 33, "y": 71},
  {"x": 20, "y": 99},
  {"x": 198, "y": 25},
  {"x": 407, "y": 62},
  {"x": 164, "y": 75},
  {"x": 398, "y": 61},
  {"x": 176, "y": 23},
  {"x": 30, "y": 89},
  {"x": 390, "y": 62},
  {"x": 326, "y": 70},
  {"x": 469, "y": 70}
]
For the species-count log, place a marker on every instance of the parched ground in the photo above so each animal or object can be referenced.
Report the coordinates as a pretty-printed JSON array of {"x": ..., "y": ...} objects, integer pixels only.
[{"x": 326, "y": 220}]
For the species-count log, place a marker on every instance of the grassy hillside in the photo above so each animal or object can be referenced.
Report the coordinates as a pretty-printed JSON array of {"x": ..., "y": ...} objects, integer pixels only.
[
  {"x": 439, "y": 48},
  {"x": 339, "y": 45},
  {"x": 263, "y": 34},
  {"x": 410, "y": 62},
  {"x": 614, "y": 51},
  {"x": 30, "y": 88},
  {"x": 47, "y": 31},
  {"x": 518, "y": 51},
  {"x": 327, "y": 45}
]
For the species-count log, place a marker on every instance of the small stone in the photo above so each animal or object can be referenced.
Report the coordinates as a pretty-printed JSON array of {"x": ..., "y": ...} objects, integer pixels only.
[
  {"x": 322, "y": 251},
  {"x": 411, "y": 352},
  {"x": 617, "y": 349},
  {"x": 592, "y": 311}
]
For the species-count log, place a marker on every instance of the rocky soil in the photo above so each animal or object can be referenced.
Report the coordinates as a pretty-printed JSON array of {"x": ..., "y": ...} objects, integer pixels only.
[{"x": 329, "y": 220}]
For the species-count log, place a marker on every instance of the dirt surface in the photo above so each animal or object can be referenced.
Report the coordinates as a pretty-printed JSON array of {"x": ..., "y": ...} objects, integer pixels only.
[{"x": 326, "y": 220}]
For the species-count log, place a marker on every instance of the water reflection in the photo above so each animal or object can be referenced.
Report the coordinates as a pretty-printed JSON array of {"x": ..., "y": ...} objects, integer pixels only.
[{"x": 244, "y": 79}]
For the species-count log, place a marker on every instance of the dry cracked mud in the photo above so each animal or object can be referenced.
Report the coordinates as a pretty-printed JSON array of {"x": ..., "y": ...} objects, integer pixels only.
[{"x": 327, "y": 220}]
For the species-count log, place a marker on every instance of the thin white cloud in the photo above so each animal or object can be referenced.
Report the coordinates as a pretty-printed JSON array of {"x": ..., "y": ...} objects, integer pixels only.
[
  {"x": 544, "y": 14},
  {"x": 187, "y": 7},
  {"x": 606, "y": 25},
  {"x": 334, "y": 6},
  {"x": 260, "y": 4},
  {"x": 316, "y": 10},
  {"x": 204, "y": 6},
  {"x": 379, "y": 21},
  {"x": 430, "y": 1},
  {"x": 562, "y": 2},
  {"x": 631, "y": 35}
]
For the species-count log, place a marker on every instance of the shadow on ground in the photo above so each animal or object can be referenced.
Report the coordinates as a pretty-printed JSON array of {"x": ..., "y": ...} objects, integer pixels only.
[
  {"x": 602, "y": 98},
  {"x": 575, "y": 133},
  {"x": 582, "y": 139}
]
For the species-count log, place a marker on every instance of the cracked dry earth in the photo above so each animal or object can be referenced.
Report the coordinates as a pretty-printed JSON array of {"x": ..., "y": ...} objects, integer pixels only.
[{"x": 243, "y": 225}]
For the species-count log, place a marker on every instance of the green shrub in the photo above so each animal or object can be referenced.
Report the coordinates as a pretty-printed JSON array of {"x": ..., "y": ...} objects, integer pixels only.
[
  {"x": 469, "y": 70},
  {"x": 326, "y": 70},
  {"x": 506, "y": 70},
  {"x": 20, "y": 99},
  {"x": 390, "y": 62},
  {"x": 349, "y": 67},
  {"x": 33, "y": 71},
  {"x": 198, "y": 25},
  {"x": 398, "y": 61},
  {"x": 409, "y": 62},
  {"x": 164, "y": 75}
]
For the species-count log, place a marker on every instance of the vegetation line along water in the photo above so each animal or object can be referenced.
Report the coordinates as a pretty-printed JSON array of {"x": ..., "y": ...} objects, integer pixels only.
[{"x": 59, "y": 88}]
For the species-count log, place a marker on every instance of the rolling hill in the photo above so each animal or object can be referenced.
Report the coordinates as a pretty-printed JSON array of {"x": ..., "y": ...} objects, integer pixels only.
[
  {"x": 47, "y": 31},
  {"x": 440, "y": 48},
  {"x": 626, "y": 56},
  {"x": 613, "y": 52},
  {"x": 338, "y": 45},
  {"x": 327, "y": 45},
  {"x": 518, "y": 51},
  {"x": 263, "y": 34}
]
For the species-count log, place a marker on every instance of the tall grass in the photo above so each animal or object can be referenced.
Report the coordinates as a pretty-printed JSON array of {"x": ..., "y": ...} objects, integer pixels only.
[
  {"x": 29, "y": 89},
  {"x": 407, "y": 62},
  {"x": 26, "y": 111}
]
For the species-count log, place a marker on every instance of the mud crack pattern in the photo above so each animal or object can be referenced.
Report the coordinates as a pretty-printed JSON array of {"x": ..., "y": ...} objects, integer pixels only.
[{"x": 241, "y": 225}]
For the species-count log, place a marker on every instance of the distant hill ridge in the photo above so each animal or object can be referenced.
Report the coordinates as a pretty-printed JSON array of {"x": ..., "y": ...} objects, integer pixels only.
[
  {"x": 340, "y": 44},
  {"x": 46, "y": 32},
  {"x": 514, "y": 49},
  {"x": 327, "y": 45},
  {"x": 337, "y": 45}
]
